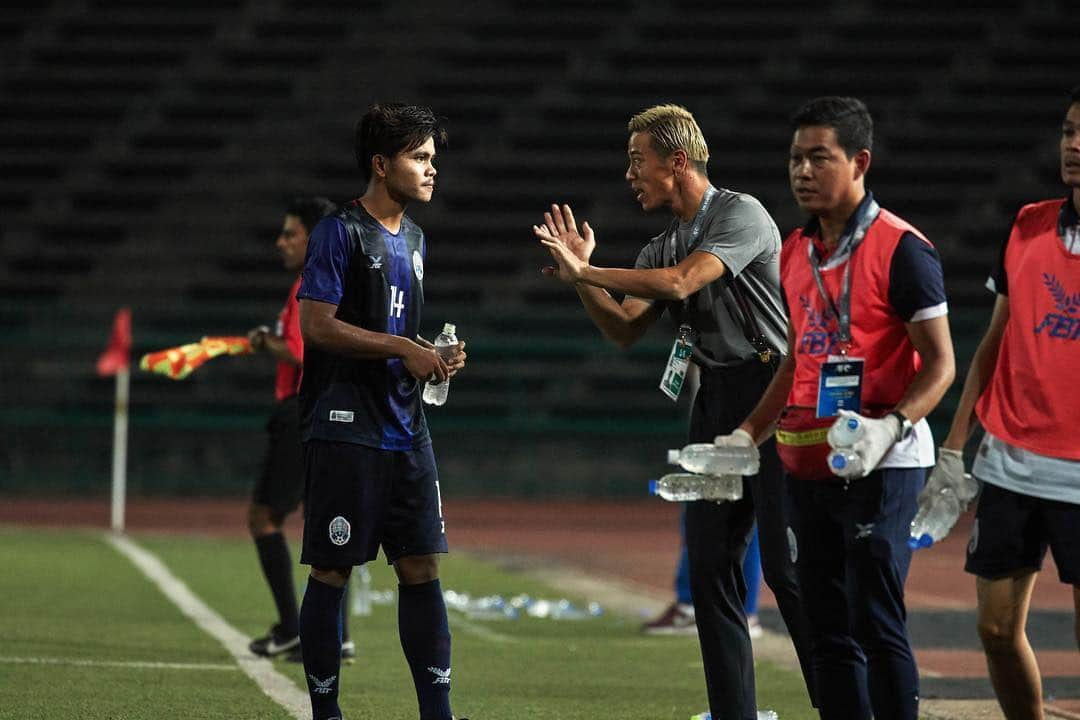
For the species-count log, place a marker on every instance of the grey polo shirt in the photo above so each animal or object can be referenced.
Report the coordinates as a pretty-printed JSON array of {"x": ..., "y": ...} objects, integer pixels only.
[{"x": 738, "y": 230}]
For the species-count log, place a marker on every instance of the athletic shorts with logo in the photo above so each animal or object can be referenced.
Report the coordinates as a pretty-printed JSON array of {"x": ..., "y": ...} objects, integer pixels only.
[
  {"x": 1012, "y": 532},
  {"x": 358, "y": 498},
  {"x": 280, "y": 485}
]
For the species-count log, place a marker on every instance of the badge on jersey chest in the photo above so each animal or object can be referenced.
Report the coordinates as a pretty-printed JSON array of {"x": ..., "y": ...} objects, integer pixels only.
[
  {"x": 418, "y": 265},
  {"x": 840, "y": 385}
]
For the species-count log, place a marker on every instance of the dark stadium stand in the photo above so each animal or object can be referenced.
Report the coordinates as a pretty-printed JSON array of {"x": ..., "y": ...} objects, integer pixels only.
[{"x": 146, "y": 150}]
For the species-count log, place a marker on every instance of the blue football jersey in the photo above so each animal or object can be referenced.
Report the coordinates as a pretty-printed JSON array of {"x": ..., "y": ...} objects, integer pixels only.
[{"x": 375, "y": 278}]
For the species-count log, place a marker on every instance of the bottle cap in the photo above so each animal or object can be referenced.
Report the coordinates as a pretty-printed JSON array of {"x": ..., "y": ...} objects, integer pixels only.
[
  {"x": 673, "y": 457},
  {"x": 652, "y": 487},
  {"x": 852, "y": 424},
  {"x": 923, "y": 541},
  {"x": 449, "y": 329},
  {"x": 838, "y": 462}
]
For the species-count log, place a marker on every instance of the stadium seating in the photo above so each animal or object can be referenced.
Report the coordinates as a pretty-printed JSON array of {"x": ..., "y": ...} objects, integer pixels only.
[{"x": 147, "y": 149}]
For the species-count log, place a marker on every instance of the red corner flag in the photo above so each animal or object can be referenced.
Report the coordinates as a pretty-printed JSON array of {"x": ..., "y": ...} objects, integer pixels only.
[{"x": 115, "y": 357}]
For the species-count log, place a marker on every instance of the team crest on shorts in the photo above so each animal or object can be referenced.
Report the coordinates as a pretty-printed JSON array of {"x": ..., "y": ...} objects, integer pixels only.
[
  {"x": 792, "y": 545},
  {"x": 418, "y": 265},
  {"x": 974, "y": 541},
  {"x": 340, "y": 531}
]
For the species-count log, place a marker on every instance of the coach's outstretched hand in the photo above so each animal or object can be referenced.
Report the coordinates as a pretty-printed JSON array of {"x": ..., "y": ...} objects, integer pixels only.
[{"x": 570, "y": 249}]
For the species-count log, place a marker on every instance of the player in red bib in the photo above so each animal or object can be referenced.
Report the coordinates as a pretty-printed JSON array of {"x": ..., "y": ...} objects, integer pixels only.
[
  {"x": 869, "y": 335},
  {"x": 1022, "y": 387}
]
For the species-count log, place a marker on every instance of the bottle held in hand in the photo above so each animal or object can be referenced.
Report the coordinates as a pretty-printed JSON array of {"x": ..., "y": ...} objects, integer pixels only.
[
  {"x": 445, "y": 346},
  {"x": 710, "y": 459},
  {"x": 682, "y": 487}
]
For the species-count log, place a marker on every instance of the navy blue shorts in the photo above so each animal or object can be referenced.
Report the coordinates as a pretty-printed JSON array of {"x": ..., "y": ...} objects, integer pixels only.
[
  {"x": 1012, "y": 532},
  {"x": 358, "y": 498}
]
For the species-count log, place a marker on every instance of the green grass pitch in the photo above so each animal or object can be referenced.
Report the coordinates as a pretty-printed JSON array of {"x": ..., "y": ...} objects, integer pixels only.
[{"x": 81, "y": 628}]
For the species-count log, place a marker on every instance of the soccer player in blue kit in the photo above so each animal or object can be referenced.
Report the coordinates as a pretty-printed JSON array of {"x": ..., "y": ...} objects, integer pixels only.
[{"x": 370, "y": 476}]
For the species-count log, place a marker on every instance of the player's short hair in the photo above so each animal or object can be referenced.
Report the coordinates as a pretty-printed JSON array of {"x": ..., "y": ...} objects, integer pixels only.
[
  {"x": 1074, "y": 96},
  {"x": 310, "y": 210},
  {"x": 847, "y": 116},
  {"x": 671, "y": 128},
  {"x": 390, "y": 128}
]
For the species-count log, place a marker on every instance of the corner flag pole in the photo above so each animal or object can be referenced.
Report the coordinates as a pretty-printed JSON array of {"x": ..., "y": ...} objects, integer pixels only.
[
  {"x": 114, "y": 361},
  {"x": 119, "y": 458}
]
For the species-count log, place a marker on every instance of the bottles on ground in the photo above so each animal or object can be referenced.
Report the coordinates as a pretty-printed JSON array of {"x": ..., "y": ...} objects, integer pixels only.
[{"x": 361, "y": 596}]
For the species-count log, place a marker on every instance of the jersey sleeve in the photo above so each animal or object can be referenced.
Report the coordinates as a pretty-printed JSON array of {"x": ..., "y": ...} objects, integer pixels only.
[
  {"x": 916, "y": 280},
  {"x": 998, "y": 282},
  {"x": 326, "y": 263},
  {"x": 739, "y": 236}
]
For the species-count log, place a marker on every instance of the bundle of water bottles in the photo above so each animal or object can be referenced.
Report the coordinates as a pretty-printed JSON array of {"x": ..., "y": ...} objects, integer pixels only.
[
  {"x": 945, "y": 497},
  {"x": 715, "y": 472}
]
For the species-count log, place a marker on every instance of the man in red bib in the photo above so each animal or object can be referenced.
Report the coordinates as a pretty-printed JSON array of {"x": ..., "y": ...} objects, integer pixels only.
[
  {"x": 1023, "y": 389},
  {"x": 869, "y": 339}
]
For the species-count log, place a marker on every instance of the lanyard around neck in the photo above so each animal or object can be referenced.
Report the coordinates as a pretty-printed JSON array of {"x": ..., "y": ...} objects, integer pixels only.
[
  {"x": 699, "y": 219},
  {"x": 842, "y": 306}
]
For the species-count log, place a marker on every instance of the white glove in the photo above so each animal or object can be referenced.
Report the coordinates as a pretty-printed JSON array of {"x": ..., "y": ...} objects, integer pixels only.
[
  {"x": 741, "y": 439},
  {"x": 949, "y": 473},
  {"x": 737, "y": 438},
  {"x": 878, "y": 437}
]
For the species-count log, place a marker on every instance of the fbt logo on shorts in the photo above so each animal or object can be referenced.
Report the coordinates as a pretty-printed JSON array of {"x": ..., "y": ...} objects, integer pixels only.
[
  {"x": 340, "y": 531},
  {"x": 1064, "y": 324}
]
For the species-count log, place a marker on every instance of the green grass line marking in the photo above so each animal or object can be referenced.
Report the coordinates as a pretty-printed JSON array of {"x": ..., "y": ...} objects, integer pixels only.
[
  {"x": 136, "y": 664},
  {"x": 276, "y": 686}
]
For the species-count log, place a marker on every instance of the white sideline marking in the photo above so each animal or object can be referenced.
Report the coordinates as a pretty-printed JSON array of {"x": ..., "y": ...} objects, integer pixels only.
[
  {"x": 475, "y": 628},
  {"x": 279, "y": 688},
  {"x": 82, "y": 662}
]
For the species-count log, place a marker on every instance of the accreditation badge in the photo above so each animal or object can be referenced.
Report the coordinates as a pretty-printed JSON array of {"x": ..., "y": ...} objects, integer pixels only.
[
  {"x": 678, "y": 363},
  {"x": 840, "y": 386}
]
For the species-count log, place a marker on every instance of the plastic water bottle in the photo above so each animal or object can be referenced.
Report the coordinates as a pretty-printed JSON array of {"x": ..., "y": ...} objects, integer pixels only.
[
  {"x": 761, "y": 715},
  {"x": 935, "y": 518},
  {"x": 445, "y": 346},
  {"x": 361, "y": 597},
  {"x": 845, "y": 463},
  {"x": 845, "y": 432},
  {"x": 709, "y": 459},
  {"x": 679, "y": 487}
]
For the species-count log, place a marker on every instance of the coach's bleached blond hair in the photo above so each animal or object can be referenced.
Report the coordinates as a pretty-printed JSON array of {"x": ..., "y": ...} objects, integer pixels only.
[{"x": 672, "y": 128}]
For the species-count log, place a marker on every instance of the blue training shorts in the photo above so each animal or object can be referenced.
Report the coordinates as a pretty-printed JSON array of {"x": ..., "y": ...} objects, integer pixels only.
[{"x": 357, "y": 498}]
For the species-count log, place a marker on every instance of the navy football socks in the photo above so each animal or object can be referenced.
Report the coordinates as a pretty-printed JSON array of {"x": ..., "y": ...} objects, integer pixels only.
[
  {"x": 425, "y": 639},
  {"x": 345, "y": 614},
  {"x": 277, "y": 566},
  {"x": 320, "y": 637}
]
